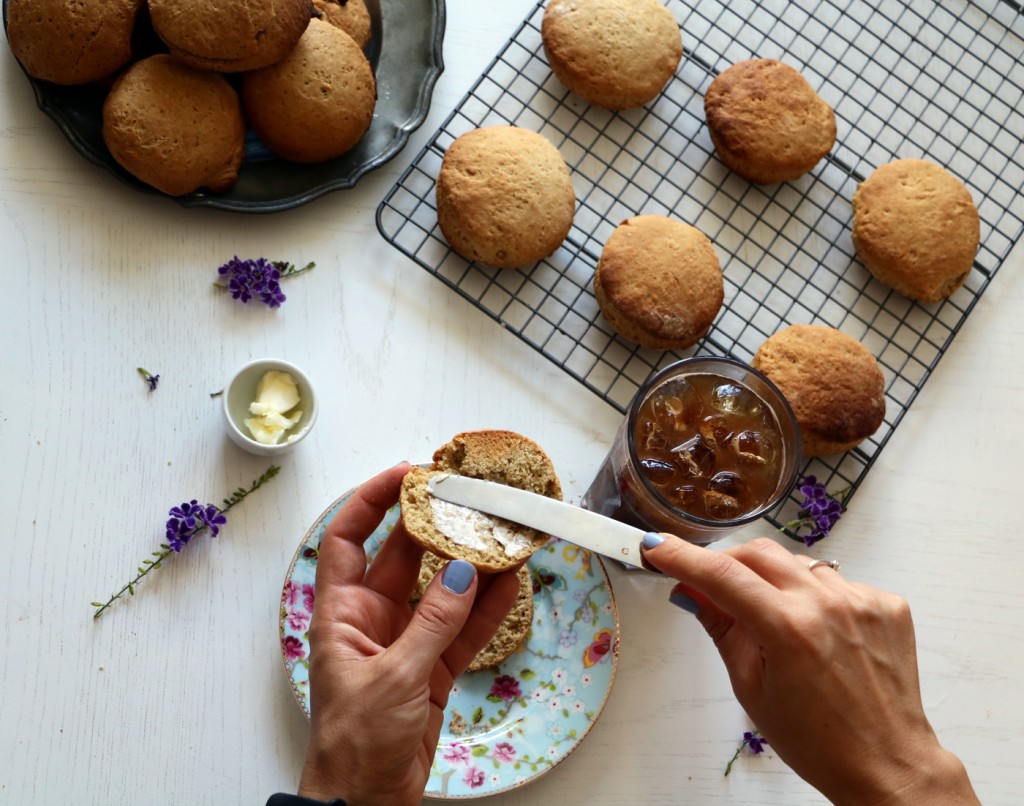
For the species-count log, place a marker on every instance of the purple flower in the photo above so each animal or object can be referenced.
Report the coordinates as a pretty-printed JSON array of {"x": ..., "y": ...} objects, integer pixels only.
[
  {"x": 754, "y": 742},
  {"x": 819, "y": 510},
  {"x": 182, "y": 524},
  {"x": 474, "y": 777},
  {"x": 151, "y": 379},
  {"x": 504, "y": 753},
  {"x": 253, "y": 278},
  {"x": 214, "y": 519},
  {"x": 188, "y": 518}
]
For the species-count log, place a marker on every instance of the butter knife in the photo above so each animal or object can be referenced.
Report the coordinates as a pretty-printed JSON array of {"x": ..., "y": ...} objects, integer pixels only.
[{"x": 597, "y": 533}]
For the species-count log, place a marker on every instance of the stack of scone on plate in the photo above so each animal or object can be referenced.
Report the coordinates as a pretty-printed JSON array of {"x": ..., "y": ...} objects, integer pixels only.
[
  {"x": 447, "y": 531},
  {"x": 294, "y": 70}
]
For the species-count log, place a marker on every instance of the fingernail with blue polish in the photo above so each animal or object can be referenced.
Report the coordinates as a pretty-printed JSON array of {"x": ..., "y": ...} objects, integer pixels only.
[
  {"x": 458, "y": 575},
  {"x": 652, "y": 540},
  {"x": 687, "y": 603}
]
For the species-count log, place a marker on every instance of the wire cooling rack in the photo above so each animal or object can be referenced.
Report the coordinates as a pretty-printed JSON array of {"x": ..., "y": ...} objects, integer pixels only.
[{"x": 941, "y": 81}]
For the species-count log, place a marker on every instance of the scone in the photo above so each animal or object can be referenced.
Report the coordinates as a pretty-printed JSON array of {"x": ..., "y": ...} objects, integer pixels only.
[
  {"x": 766, "y": 122},
  {"x": 351, "y": 16},
  {"x": 450, "y": 531},
  {"x": 916, "y": 229},
  {"x": 71, "y": 41},
  {"x": 504, "y": 196},
  {"x": 658, "y": 282},
  {"x": 175, "y": 128},
  {"x": 616, "y": 54},
  {"x": 513, "y": 629},
  {"x": 317, "y": 102},
  {"x": 832, "y": 382},
  {"x": 230, "y": 36}
]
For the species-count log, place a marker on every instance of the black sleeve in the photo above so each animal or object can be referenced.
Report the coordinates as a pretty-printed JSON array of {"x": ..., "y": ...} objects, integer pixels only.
[{"x": 281, "y": 799}]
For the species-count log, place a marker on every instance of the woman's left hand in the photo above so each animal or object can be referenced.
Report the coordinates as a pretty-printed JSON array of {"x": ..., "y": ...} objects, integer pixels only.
[{"x": 380, "y": 672}]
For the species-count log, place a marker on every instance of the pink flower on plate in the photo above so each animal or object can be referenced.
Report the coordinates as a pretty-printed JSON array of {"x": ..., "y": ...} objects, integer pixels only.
[
  {"x": 474, "y": 777},
  {"x": 456, "y": 753},
  {"x": 506, "y": 687},
  {"x": 293, "y": 648},
  {"x": 308, "y": 595},
  {"x": 299, "y": 620},
  {"x": 292, "y": 593},
  {"x": 504, "y": 753}
]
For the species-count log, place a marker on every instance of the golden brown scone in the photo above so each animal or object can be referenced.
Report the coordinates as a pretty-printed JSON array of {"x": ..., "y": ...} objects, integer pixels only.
[
  {"x": 658, "y": 282},
  {"x": 450, "y": 531},
  {"x": 916, "y": 229},
  {"x": 504, "y": 196},
  {"x": 317, "y": 102},
  {"x": 766, "y": 122},
  {"x": 71, "y": 41},
  {"x": 513, "y": 629},
  {"x": 616, "y": 54},
  {"x": 351, "y": 16},
  {"x": 832, "y": 382},
  {"x": 230, "y": 36},
  {"x": 175, "y": 128}
]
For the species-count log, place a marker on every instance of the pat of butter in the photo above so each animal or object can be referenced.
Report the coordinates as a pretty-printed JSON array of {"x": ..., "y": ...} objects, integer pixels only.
[
  {"x": 275, "y": 407},
  {"x": 475, "y": 530}
]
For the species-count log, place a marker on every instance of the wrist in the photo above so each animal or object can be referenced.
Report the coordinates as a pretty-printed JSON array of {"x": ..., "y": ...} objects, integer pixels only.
[
  {"x": 282, "y": 799},
  {"x": 936, "y": 776}
]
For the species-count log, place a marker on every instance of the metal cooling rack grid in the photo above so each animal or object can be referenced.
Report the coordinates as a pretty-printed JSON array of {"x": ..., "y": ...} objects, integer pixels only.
[{"x": 914, "y": 79}]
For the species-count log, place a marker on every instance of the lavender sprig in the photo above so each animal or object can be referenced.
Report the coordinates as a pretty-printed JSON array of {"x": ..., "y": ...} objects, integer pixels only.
[
  {"x": 186, "y": 521},
  {"x": 752, "y": 740},
  {"x": 819, "y": 512},
  {"x": 259, "y": 279},
  {"x": 148, "y": 377}
]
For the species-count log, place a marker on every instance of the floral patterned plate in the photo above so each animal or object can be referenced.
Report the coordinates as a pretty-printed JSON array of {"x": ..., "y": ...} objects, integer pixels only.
[{"x": 506, "y": 726}]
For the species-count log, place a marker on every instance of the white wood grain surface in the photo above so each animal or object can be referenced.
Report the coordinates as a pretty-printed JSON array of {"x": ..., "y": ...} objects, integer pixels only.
[{"x": 179, "y": 696}]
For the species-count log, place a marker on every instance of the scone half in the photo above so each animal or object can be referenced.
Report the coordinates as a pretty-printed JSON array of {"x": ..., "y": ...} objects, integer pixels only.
[
  {"x": 453, "y": 532},
  {"x": 513, "y": 630}
]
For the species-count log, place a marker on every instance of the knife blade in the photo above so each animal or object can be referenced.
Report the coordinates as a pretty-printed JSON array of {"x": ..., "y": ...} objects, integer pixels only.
[{"x": 597, "y": 533}]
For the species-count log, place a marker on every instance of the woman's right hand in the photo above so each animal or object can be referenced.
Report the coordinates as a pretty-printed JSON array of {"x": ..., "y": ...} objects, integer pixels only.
[{"x": 826, "y": 669}]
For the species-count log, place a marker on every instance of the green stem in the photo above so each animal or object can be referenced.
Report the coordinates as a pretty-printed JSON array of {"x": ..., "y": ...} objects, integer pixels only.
[
  {"x": 728, "y": 767},
  {"x": 289, "y": 269},
  {"x": 236, "y": 497},
  {"x": 736, "y": 755},
  {"x": 129, "y": 587}
]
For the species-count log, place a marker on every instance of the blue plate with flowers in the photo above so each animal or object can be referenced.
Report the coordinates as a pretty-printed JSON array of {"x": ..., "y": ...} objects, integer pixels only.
[{"x": 504, "y": 727}]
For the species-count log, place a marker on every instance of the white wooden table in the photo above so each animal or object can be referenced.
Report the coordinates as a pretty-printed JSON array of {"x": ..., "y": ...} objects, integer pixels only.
[{"x": 179, "y": 696}]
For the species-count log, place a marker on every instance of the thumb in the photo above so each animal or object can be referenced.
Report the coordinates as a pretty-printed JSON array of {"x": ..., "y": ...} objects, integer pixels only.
[{"x": 438, "y": 618}]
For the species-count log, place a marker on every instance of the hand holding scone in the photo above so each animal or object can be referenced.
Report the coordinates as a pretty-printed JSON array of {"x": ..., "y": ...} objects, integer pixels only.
[
  {"x": 826, "y": 669},
  {"x": 380, "y": 674}
]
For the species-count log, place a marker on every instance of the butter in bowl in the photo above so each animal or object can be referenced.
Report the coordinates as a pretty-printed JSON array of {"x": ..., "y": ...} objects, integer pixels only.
[{"x": 269, "y": 407}]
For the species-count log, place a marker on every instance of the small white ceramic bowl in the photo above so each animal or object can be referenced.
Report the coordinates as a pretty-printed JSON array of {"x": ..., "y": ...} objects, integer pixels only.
[{"x": 241, "y": 391}]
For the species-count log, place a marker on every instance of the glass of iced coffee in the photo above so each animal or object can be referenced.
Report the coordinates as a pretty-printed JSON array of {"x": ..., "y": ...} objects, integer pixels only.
[{"x": 708, "y": 445}]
